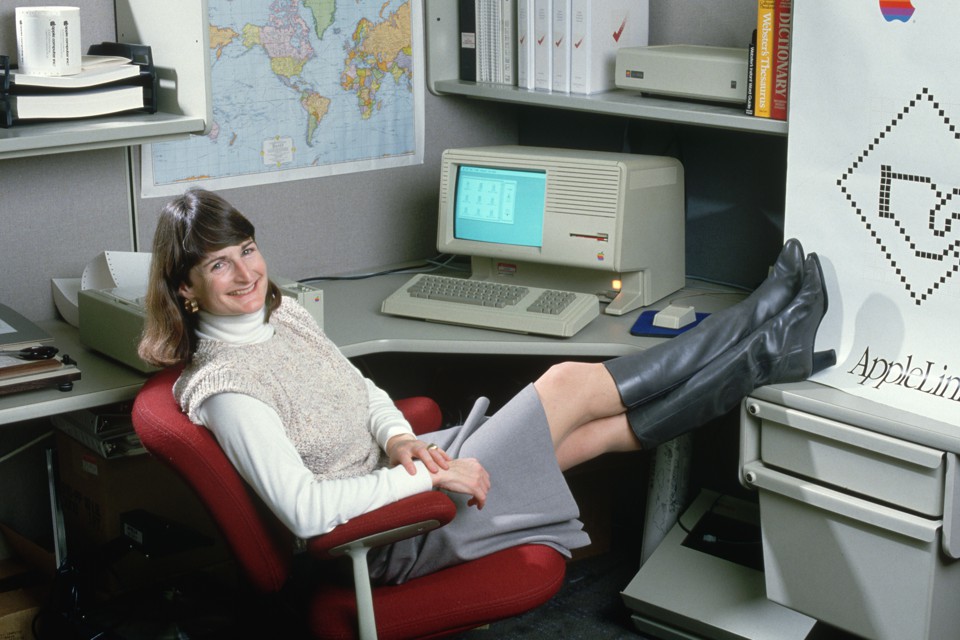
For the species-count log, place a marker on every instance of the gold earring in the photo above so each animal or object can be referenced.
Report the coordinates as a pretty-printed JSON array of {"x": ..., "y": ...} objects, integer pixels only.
[{"x": 191, "y": 306}]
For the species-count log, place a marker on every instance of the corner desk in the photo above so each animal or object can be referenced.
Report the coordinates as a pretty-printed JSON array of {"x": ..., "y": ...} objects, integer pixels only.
[{"x": 352, "y": 319}]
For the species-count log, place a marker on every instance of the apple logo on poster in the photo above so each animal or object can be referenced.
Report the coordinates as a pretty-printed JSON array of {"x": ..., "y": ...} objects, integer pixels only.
[{"x": 894, "y": 10}]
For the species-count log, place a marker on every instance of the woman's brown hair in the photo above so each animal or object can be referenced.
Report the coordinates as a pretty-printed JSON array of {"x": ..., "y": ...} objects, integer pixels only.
[{"x": 189, "y": 227}]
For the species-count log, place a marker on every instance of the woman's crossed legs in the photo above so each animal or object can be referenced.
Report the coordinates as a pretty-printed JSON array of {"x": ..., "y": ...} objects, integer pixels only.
[{"x": 584, "y": 411}]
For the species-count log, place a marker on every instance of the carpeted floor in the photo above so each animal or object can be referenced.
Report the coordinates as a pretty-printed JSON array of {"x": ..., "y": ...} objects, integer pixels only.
[{"x": 588, "y": 606}]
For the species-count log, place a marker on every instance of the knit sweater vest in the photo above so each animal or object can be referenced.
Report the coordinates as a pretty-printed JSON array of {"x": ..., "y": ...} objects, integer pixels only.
[{"x": 319, "y": 395}]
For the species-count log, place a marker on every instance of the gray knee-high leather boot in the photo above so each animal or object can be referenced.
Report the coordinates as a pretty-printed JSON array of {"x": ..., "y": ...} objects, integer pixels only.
[
  {"x": 781, "y": 350},
  {"x": 643, "y": 376}
]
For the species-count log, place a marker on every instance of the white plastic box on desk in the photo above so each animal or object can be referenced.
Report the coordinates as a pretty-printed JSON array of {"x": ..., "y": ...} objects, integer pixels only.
[{"x": 858, "y": 507}]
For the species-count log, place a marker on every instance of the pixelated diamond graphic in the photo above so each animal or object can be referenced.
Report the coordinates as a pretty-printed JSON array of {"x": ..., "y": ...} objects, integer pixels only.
[{"x": 904, "y": 188}]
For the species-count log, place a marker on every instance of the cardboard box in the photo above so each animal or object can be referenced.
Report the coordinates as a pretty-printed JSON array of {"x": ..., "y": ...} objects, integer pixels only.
[
  {"x": 96, "y": 492},
  {"x": 18, "y": 608},
  {"x": 25, "y": 572}
]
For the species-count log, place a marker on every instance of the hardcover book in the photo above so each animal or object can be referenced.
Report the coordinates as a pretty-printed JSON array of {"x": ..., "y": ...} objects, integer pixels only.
[
  {"x": 763, "y": 70},
  {"x": 508, "y": 42},
  {"x": 560, "y": 46},
  {"x": 751, "y": 73},
  {"x": 542, "y": 45},
  {"x": 60, "y": 374},
  {"x": 488, "y": 40},
  {"x": 468, "y": 40},
  {"x": 597, "y": 31},
  {"x": 525, "y": 44},
  {"x": 783, "y": 27}
]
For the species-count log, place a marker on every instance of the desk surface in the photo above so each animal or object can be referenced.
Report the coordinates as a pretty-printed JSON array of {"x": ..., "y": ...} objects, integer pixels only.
[
  {"x": 101, "y": 382},
  {"x": 353, "y": 321}
]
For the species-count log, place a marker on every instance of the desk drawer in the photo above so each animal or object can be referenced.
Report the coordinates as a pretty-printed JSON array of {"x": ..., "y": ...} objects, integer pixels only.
[
  {"x": 870, "y": 569},
  {"x": 875, "y": 466}
]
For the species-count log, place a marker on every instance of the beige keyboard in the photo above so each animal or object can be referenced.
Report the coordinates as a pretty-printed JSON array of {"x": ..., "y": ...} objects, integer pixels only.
[{"x": 493, "y": 305}]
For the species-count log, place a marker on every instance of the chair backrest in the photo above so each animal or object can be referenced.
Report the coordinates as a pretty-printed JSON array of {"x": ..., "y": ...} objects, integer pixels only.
[
  {"x": 191, "y": 450},
  {"x": 261, "y": 545}
]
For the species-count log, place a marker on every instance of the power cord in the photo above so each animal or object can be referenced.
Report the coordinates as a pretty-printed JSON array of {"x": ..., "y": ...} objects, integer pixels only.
[{"x": 441, "y": 261}]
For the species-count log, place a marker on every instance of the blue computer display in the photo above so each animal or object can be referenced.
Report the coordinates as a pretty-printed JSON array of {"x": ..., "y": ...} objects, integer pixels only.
[{"x": 500, "y": 205}]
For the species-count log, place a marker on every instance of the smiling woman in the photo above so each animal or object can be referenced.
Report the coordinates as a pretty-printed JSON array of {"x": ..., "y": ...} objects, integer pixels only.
[
  {"x": 205, "y": 257},
  {"x": 229, "y": 282}
]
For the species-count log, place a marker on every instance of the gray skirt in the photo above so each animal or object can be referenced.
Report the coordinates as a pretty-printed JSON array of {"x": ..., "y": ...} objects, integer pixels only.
[{"x": 528, "y": 502}]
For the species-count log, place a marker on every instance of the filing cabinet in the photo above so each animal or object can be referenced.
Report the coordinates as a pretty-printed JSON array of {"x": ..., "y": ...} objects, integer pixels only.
[{"x": 857, "y": 510}]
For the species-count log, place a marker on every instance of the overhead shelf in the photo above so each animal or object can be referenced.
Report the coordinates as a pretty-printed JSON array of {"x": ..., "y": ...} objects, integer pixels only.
[
  {"x": 441, "y": 29},
  {"x": 178, "y": 33},
  {"x": 620, "y": 103},
  {"x": 64, "y": 136}
]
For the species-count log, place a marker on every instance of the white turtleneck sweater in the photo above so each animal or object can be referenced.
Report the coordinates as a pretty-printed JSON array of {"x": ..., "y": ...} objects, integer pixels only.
[{"x": 252, "y": 436}]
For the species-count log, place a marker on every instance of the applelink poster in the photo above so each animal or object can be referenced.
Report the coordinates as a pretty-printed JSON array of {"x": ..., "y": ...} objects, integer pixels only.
[{"x": 873, "y": 187}]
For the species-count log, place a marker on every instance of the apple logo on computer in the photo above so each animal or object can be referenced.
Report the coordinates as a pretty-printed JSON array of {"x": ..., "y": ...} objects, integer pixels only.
[{"x": 901, "y": 10}]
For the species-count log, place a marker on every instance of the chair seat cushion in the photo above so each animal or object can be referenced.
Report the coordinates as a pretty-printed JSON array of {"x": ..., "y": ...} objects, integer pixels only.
[{"x": 456, "y": 599}]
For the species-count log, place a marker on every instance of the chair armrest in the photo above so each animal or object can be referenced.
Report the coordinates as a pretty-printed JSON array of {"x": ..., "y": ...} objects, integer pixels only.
[{"x": 403, "y": 519}]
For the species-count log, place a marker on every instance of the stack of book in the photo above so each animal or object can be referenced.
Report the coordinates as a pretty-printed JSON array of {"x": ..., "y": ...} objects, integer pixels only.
[
  {"x": 567, "y": 46},
  {"x": 768, "y": 73},
  {"x": 106, "y": 430},
  {"x": 113, "y": 78},
  {"x": 18, "y": 373}
]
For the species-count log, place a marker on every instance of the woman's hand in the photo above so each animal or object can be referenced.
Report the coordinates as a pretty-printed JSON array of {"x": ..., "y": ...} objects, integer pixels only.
[
  {"x": 404, "y": 449},
  {"x": 466, "y": 476}
]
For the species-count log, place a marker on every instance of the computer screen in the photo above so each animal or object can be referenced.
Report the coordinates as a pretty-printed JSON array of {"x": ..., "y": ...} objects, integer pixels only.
[
  {"x": 568, "y": 219},
  {"x": 500, "y": 205}
]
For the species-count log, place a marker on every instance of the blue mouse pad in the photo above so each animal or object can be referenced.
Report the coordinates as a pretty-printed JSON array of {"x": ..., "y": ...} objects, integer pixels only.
[{"x": 644, "y": 326}]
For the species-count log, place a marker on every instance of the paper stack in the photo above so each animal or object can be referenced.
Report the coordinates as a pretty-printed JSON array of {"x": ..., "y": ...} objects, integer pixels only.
[
  {"x": 107, "y": 430},
  {"x": 106, "y": 84},
  {"x": 20, "y": 374}
]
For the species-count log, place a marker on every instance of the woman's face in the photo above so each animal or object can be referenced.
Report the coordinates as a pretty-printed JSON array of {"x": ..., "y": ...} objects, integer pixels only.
[{"x": 229, "y": 282}]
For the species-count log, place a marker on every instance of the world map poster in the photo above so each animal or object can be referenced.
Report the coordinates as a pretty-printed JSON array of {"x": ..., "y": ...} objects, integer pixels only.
[{"x": 301, "y": 89}]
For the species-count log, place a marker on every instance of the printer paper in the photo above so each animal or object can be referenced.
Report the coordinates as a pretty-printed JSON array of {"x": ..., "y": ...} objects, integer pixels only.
[
  {"x": 113, "y": 269},
  {"x": 124, "y": 270},
  {"x": 65, "y": 292}
]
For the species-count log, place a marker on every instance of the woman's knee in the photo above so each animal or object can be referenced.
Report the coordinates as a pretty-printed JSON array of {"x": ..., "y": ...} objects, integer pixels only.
[
  {"x": 585, "y": 382},
  {"x": 564, "y": 376}
]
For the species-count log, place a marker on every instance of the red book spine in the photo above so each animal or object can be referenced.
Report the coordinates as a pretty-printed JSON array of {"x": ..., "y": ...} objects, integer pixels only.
[{"x": 783, "y": 27}]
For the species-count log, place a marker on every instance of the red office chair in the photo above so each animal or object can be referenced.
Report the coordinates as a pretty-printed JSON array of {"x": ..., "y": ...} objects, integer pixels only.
[{"x": 450, "y": 601}]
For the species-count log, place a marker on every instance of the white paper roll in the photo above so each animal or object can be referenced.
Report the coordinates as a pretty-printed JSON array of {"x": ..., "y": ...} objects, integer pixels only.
[{"x": 48, "y": 40}]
